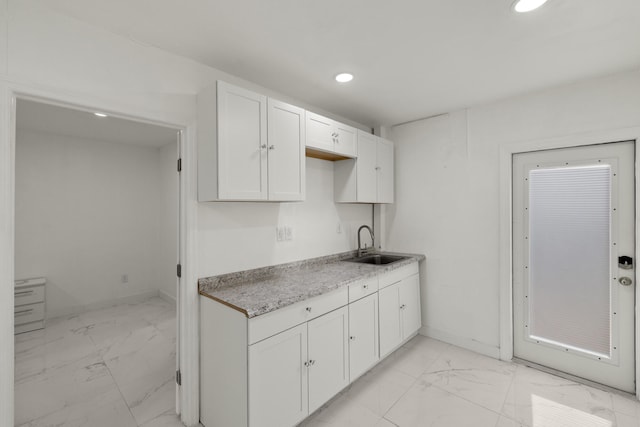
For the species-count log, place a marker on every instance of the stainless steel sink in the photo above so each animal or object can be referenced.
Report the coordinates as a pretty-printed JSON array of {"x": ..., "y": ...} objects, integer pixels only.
[{"x": 378, "y": 259}]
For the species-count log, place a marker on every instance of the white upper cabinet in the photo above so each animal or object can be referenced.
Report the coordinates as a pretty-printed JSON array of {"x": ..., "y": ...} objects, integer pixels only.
[
  {"x": 366, "y": 185},
  {"x": 346, "y": 137},
  {"x": 320, "y": 132},
  {"x": 249, "y": 148},
  {"x": 369, "y": 178},
  {"x": 286, "y": 158},
  {"x": 331, "y": 137},
  {"x": 384, "y": 176},
  {"x": 242, "y": 144}
]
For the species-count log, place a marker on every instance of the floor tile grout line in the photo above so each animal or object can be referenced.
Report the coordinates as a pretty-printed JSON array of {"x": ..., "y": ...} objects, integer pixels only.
[{"x": 119, "y": 390}]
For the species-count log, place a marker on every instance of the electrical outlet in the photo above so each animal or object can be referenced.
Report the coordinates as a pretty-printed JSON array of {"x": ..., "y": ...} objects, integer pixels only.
[
  {"x": 339, "y": 228},
  {"x": 280, "y": 234},
  {"x": 288, "y": 233},
  {"x": 124, "y": 278}
]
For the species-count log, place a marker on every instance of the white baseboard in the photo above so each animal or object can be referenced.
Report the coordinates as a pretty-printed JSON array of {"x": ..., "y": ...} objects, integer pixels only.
[
  {"x": 168, "y": 298},
  {"x": 464, "y": 342},
  {"x": 78, "y": 309}
]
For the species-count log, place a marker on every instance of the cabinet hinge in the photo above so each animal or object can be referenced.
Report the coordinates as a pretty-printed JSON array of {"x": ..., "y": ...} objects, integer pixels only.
[
  {"x": 179, "y": 165},
  {"x": 179, "y": 270},
  {"x": 178, "y": 377}
]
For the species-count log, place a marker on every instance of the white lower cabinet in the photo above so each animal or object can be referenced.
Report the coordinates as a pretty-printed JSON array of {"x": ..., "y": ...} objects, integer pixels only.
[
  {"x": 328, "y": 356},
  {"x": 277, "y": 368},
  {"x": 278, "y": 379},
  {"x": 363, "y": 335},
  {"x": 399, "y": 312},
  {"x": 390, "y": 329},
  {"x": 294, "y": 372}
]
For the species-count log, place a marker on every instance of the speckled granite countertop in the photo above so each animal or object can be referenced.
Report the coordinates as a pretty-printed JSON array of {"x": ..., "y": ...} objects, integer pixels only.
[{"x": 259, "y": 291}]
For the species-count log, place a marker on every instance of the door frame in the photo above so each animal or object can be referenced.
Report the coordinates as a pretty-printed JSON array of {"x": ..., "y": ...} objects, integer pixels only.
[
  {"x": 188, "y": 392},
  {"x": 506, "y": 222}
]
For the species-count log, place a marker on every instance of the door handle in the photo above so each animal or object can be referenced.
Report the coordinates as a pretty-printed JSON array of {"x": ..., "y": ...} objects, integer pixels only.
[{"x": 625, "y": 281}]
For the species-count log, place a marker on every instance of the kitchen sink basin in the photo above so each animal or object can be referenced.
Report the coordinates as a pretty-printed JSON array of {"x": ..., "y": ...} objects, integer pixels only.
[{"x": 376, "y": 259}]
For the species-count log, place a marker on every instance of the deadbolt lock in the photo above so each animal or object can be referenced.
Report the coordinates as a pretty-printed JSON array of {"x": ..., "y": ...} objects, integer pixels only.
[
  {"x": 625, "y": 281},
  {"x": 625, "y": 262}
]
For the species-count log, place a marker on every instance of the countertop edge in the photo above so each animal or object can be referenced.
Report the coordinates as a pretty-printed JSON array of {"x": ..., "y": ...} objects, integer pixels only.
[{"x": 229, "y": 281}]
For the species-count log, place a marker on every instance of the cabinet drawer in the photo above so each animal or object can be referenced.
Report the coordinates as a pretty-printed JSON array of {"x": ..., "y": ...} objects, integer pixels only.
[
  {"x": 362, "y": 288},
  {"x": 29, "y": 313},
  {"x": 396, "y": 275},
  {"x": 29, "y": 295},
  {"x": 269, "y": 324}
]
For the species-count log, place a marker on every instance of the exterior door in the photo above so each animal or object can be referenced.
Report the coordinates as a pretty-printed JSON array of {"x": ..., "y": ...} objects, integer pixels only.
[{"x": 573, "y": 290}]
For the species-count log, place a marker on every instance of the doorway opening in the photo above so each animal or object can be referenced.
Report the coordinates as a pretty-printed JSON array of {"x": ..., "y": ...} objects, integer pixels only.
[{"x": 96, "y": 247}]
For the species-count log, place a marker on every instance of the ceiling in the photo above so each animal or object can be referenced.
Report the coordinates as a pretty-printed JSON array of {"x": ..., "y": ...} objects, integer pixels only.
[
  {"x": 84, "y": 125},
  {"x": 411, "y": 58}
]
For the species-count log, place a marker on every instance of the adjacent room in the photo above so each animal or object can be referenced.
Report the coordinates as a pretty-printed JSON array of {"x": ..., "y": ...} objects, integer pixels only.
[
  {"x": 275, "y": 214},
  {"x": 96, "y": 248}
]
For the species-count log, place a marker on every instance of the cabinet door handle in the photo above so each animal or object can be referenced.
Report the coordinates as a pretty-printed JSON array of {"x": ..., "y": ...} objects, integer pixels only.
[
  {"x": 312, "y": 362},
  {"x": 352, "y": 338},
  {"x": 23, "y": 312},
  {"x": 365, "y": 286},
  {"x": 263, "y": 146},
  {"x": 272, "y": 147},
  {"x": 308, "y": 309},
  {"x": 24, "y": 293},
  {"x": 402, "y": 307},
  {"x": 306, "y": 364}
]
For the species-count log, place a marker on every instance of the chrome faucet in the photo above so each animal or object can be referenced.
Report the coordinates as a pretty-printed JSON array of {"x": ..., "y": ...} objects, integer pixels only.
[{"x": 364, "y": 250}]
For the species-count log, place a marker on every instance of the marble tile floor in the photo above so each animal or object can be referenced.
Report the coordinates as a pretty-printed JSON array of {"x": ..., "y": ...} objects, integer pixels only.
[
  {"x": 430, "y": 383},
  {"x": 109, "y": 367},
  {"x": 115, "y": 367}
]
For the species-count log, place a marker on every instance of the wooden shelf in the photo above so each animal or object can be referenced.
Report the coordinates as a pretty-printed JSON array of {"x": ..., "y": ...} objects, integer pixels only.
[{"x": 323, "y": 155}]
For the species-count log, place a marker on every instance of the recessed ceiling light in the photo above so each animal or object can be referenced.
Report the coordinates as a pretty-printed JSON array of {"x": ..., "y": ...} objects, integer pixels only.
[
  {"x": 344, "y": 77},
  {"x": 527, "y": 5},
  {"x": 100, "y": 114}
]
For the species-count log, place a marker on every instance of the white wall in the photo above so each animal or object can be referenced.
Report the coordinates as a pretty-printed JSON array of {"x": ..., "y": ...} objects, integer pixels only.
[
  {"x": 57, "y": 56},
  {"x": 242, "y": 235},
  {"x": 45, "y": 48},
  {"x": 447, "y": 189},
  {"x": 88, "y": 212}
]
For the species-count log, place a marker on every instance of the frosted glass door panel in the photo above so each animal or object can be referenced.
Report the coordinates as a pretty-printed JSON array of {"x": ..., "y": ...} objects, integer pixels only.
[{"x": 569, "y": 257}]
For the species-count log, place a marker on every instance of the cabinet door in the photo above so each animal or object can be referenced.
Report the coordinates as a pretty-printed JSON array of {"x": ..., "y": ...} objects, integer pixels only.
[
  {"x": 328, "y": 356},
  {"x": 384, "y": 158},
  {"x": 286, "y": 145},
  {"x": 346, "y": 140},
  {"x": 278, "y": 379},
  {"x": 363, "y": 335},
  {"x": 320, "y": 132},
  {"x": 366, "y": 174},
  {"x": 389, "y": 315},
  {"x": 242, "y": 139},
  {"x": 410, "y": 303}
]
